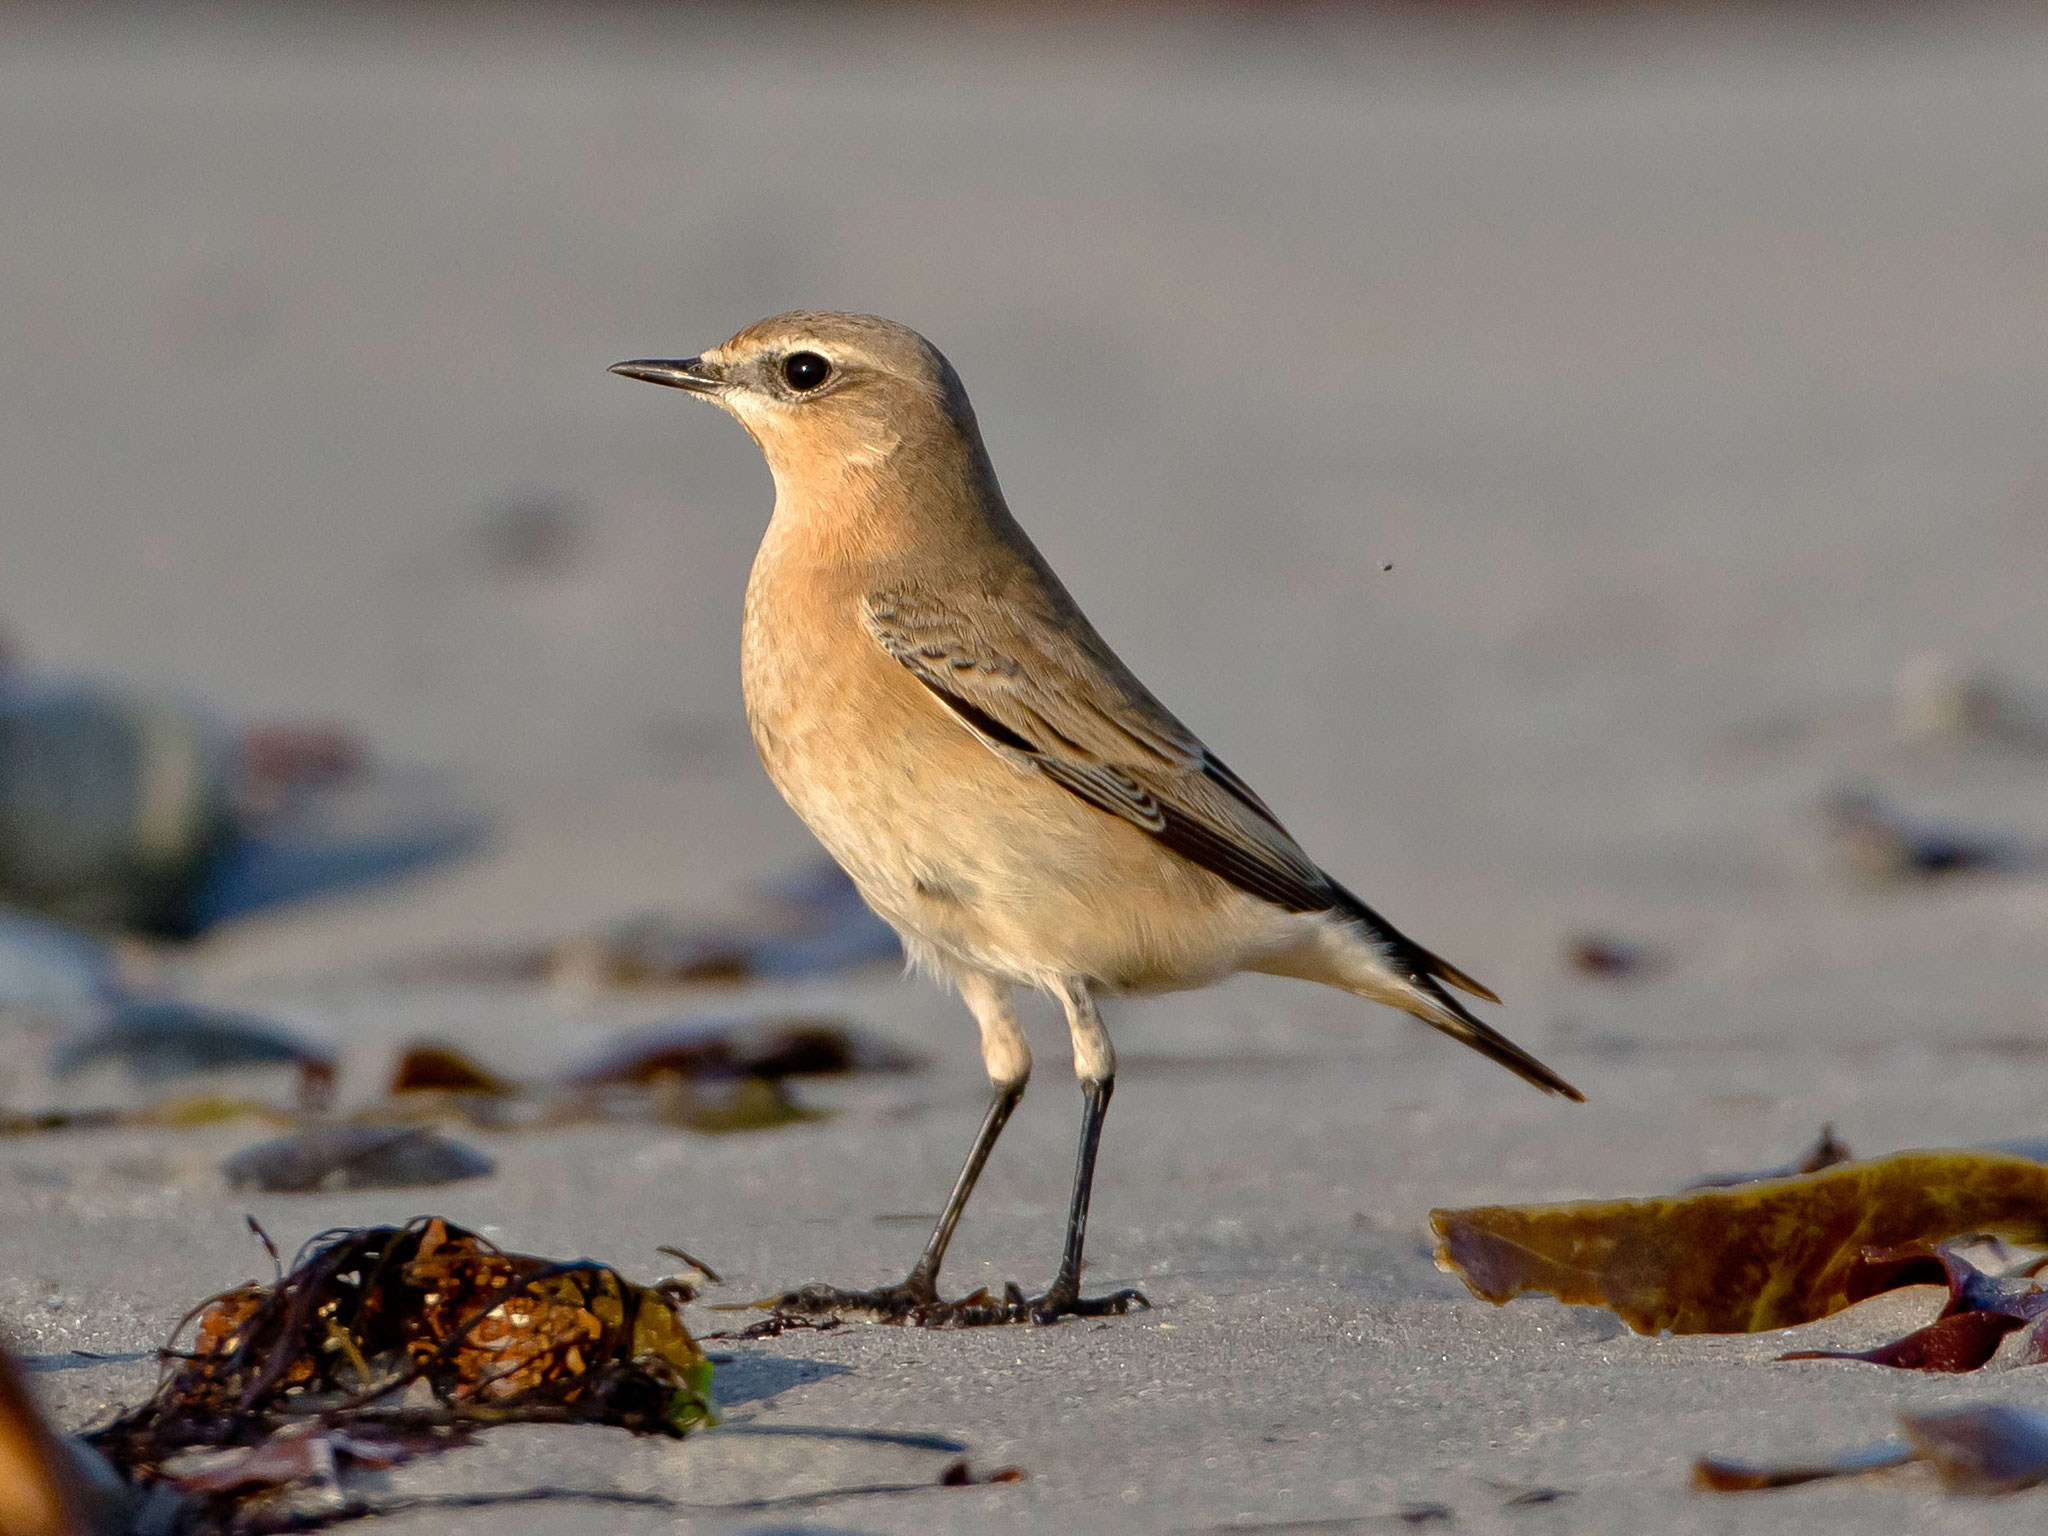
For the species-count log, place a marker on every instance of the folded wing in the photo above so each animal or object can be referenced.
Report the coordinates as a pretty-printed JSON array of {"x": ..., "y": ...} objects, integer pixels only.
[{"x": 1024, "y": 671}]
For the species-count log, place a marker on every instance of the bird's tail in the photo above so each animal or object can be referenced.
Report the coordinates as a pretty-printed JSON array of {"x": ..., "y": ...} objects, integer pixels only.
[{"x": 1410, "y": 978}]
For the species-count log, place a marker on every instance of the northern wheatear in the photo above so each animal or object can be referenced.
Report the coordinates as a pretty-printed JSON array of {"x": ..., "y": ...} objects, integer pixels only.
[{"x": 1002, "y": 789}]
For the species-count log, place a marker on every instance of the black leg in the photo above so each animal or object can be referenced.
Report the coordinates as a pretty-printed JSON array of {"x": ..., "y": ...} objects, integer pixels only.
[
  {"x": 918, "y": 1295},
  {"x": 1094, "y": 1110},
  {"x": 925, "y": 1272},
  {"x": 1063, "y": 1298}
]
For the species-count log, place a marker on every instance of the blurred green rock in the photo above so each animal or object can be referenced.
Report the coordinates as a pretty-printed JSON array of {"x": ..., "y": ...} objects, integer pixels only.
[{"x": 112, "y": 806}]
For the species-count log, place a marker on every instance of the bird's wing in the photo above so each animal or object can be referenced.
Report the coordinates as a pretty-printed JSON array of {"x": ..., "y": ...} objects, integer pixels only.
[
  {"x": 1024, "y": 671},
  {"x": 1036, "y": 687}
]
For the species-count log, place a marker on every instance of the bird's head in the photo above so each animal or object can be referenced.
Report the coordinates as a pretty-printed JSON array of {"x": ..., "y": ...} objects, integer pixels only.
[{"x": 823, "y": 393}]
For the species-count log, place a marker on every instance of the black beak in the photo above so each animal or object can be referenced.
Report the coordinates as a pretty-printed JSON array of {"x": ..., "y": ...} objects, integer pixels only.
[{"x": 691, "y": 373}]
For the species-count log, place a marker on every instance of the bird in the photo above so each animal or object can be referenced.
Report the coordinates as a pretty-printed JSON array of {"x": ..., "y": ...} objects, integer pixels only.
[{"x": 1001, "y": 788}]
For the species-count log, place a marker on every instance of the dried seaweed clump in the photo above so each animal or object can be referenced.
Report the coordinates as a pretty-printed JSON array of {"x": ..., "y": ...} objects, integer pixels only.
[{"x": 383, "y": 1343}]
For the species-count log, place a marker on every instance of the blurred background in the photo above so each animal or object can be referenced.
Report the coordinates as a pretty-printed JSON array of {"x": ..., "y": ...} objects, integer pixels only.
[{"x": 1584, "y": 463}]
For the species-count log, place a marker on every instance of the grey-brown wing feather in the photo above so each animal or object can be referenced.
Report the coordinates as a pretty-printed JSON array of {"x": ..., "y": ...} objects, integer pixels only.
[
  {"x": 1040, "y": 687},
  {"x": 1077, "y": 715}
]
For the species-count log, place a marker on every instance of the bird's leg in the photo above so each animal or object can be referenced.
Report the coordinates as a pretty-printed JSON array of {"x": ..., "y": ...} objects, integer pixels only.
[
  {"x": 1095, "y": 1064},
  {"x": 1008, "y": 1059},
  {"x": 924, "y": 1274},
  {"x": 1063, "y": 1297}
]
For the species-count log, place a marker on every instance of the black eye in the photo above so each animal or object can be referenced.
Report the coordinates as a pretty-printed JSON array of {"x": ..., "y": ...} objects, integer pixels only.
[{"x": 805, "y": 370}]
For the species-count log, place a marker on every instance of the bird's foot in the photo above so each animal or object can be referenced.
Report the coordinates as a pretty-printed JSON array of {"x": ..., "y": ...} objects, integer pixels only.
[
  {"x": 916, "y": 1305},
  {"x": 886, "y": 1304},
  {"x": 982, "y": 1310}
]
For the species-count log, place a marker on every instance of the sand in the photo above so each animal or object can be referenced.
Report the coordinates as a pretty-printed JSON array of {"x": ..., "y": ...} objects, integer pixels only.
[{"x": 1690, "y": 375}]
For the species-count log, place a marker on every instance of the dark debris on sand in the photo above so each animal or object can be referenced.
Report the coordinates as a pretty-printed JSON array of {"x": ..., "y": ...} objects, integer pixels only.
[{"x": 383, "y": 1344}]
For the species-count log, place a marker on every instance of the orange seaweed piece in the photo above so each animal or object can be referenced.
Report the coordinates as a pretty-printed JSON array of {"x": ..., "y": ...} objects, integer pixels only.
[
  {"x": 1721, "y": 1474},
  {"x": 1743, "y": 1260},
  {"x": 429, "y": 1067}
]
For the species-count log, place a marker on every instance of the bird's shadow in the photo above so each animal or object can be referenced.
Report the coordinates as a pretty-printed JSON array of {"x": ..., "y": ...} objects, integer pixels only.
[
  {"x": 79, "y": 1360},
  {"x": 742, "y": 1379}
]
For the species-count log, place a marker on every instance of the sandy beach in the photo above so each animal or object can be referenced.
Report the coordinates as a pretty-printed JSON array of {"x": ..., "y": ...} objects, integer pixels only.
[{"x": 1607, "y": 412}]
